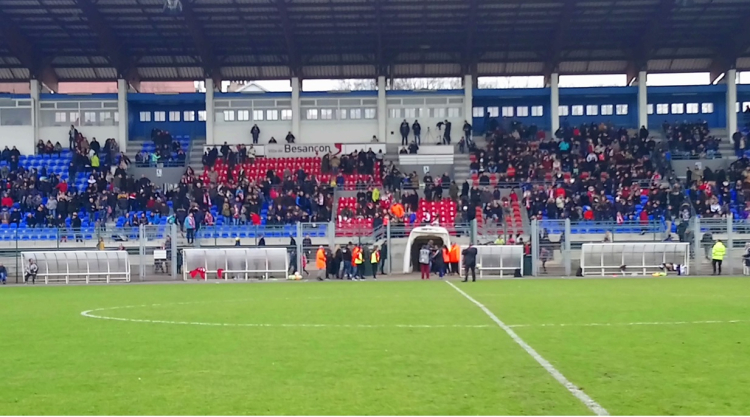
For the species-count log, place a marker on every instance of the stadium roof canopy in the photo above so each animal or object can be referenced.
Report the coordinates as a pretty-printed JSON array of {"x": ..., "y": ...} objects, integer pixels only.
[{"x": 98, "y": 40}]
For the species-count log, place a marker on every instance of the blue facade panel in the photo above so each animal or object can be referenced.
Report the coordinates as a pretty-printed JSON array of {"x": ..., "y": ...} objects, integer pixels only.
[
  {"x": 140, "y": 125},
  {"x": 616, "y": 105},
  {"x": 689, "y": 103}
]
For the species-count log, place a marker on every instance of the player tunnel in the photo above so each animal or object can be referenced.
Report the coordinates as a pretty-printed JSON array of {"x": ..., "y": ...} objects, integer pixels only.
[
  {"x": 419, "y": 237},
  {"x": 417, "y": 246}
]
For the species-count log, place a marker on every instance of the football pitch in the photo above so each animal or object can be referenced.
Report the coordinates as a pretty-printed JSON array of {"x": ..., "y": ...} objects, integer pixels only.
[{"x": 505, "y": 347}]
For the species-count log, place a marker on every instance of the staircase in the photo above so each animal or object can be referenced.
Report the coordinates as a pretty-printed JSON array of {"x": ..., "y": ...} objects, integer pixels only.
[{"x": 195, "y": 154}]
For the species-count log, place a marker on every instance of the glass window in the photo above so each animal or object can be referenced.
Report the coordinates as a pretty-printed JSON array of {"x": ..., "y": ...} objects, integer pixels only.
[
  {"x": 343, "y": 114},
  {"x": 188, "y": 116},
  {"x": 438, "y": 113},
  {"x": 494, "y": 111},
  {"x": 477, "y": 112},
  {"x": 537, "y": 111},
  {"x": 707, "y": 108},
  {"x": 410, "y": 113},
  {"x": 201, "y": 115},
  {"x": 607, "y": 109},
  {"x": 60, "y": 117},
  {"x": 691, "y": 108},
  {"x": 424, "y": 112},
  {"x": 74, "y": 117},
  {"x": 229, "y": 115},
  {"x": 174, "y": 116},
  {"x": 454, "y": 112},
  {"x": 522, "y": 111},
  {"x": 621, "y": 109},
  {"x": 355, "y": 113},
  {"x": 272, "y": 115},
  {"x": 117, "y": 117},
  {"x": 563, "y": 111},
  {"x": 592, "y": 110},
  {"x": 370, "y": 114},
  {"x": 576, "y": 110},
  {"x": 105, "y": 118},
  {"x": 326, "y": 114},
  {"x": 507, "y": 111},
  {"x": 678, "y": 108},
  {"x": 662, "y": 108},
  {"x": 650, "y": 109},
  {"x": 145, "y": 116},
  {"x": 745, "y": 106},
  {"x": 243, "y": 115},
  {"x": 160, "y": 116},
  {"x": 89, "y": 117},
  {"x": 286, "y": 114},
  {"x": 394, "y": 113},
  {"x": 258, "y": 115},
  {"x": 311, "y": 114}
]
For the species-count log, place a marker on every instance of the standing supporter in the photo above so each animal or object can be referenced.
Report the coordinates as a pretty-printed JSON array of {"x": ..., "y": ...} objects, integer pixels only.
[{"x": 424, "y": 262}]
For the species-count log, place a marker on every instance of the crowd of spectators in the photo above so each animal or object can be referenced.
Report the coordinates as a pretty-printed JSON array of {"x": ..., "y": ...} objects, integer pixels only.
[
  {"x": 593, "y": 172},
  {"x": 166, "y": 150},
  {"x": 691, "y": 140}
]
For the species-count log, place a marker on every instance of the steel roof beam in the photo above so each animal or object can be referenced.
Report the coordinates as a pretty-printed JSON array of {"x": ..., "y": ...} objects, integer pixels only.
[
  {"x": 295, "y": 65},
  {"x": 652, "y": 32},
  {"x": 380, "y": 65},
  {"x": 470, "y": 55},
  {"x": 730, "y": 48},
  {"x": 563, "y": 29},
  {"x": 109, "y": 45},
  {"x": 28, "y": 54},
  {"x": 202, "y": 45}
]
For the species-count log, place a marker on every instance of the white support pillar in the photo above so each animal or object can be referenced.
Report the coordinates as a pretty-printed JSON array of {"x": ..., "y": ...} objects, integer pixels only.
[
  {"x": 382, "y": 111},
  {"x": 642, "y": 100},
  {"x": 468, "y": 99},
  {"x": 296, "y": 112},
  {"x": 210, "y": 114},
  {"x": 122, "y": 114},
  {"x": 731, "y": 77},
  {"x": 554, "y": 102},
  {"x": 35, "y": 90}
]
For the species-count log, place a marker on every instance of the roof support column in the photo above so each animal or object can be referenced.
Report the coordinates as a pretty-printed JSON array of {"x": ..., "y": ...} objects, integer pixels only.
[
  {"x": 642, "y": 99},
  {"x": 554, "y": 102},
  {"x": 122, "y": 114},
  {"x": 731, "y": 77},
  {"x": 210, "y": 116},
  {"x": 382, "y": 111},
  {"x": 35, "y": 89},
  {"x": 468, "y": 99},
  {"x": 296, "y": 113}
]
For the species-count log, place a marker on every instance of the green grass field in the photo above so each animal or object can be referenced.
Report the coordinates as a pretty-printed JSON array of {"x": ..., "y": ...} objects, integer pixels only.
[{"x": 635, "y": 346}]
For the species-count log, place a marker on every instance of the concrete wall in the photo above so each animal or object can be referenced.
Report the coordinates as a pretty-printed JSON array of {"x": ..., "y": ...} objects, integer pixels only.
[
  {"x": 22, "y": 137},
  {"x": 168, "y": 175},
  {"x": 239, "y": 132}
]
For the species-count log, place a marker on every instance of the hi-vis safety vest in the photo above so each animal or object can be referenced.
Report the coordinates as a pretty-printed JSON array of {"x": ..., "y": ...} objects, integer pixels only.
[
  {"x": 359, "y": 258},
  {"x": 375, "y": 257}
]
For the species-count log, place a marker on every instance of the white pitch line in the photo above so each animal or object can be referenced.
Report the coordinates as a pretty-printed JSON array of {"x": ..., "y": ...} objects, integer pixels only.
[
  {"x": 572, "y": 388},
  {"x": 637, "y": 323},
  {"x": 91, "y": 314}
]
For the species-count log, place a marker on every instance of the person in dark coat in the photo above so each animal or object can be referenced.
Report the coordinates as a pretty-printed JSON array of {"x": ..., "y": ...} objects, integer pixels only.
[
  {"x": 470, "y": 263},
  {"x": 383, "y": 257},
  {"x": 404, "y": 130},
  {"x": 255, "y": 132}
]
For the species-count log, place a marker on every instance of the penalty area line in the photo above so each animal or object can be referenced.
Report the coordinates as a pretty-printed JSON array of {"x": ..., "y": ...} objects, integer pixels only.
[{"x": 589, "y": 402}]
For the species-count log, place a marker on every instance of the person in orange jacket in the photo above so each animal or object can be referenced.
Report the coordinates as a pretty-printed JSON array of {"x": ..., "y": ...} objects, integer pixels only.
[
  {"x": 446, "y": 260},
  {"x": 320, "y": 262},
  {"x": 455, "y": 257}
]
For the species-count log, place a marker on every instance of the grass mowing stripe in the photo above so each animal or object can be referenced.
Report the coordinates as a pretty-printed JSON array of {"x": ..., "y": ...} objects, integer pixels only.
[{"x": 559, "y": 377}]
